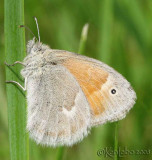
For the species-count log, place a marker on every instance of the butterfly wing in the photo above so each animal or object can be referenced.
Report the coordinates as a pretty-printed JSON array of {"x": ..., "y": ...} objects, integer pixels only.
[
  {"x": 97, "y": 80},
  {"x": 58, "y": 112}
]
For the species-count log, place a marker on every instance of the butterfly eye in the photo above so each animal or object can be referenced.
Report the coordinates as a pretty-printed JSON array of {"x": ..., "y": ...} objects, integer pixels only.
[{"x": 113, "y": 91}]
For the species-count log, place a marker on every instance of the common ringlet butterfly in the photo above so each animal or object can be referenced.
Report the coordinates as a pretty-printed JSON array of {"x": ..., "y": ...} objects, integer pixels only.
[{"x": 68, "y": 94}]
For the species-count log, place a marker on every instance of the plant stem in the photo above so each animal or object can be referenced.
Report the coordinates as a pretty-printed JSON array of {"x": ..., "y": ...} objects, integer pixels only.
[
  {"x": 83, "y": 39},
  {"x": 15, "y": 51},
  {"x": 105, "y": 21},
  {"x": 116, "y": 142},
  {"x": 60, "y": 153}
]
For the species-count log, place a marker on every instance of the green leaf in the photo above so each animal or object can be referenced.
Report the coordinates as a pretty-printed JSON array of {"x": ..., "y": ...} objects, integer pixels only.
[{"x": 15, "y": 51}]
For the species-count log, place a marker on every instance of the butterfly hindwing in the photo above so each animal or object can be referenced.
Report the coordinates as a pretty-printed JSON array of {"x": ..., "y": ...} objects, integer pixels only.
[{"x": 55, "y": 115}]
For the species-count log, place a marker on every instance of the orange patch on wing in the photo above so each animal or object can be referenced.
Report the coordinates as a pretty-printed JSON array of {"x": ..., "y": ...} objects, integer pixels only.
[{"x": 90, "y": 78}]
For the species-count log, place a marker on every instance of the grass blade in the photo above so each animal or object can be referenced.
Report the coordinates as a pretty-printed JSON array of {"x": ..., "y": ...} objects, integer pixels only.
[
  {"x": 83, "y": 38},
  {"x": 60, "y": 153},
  {"x": 15, "y": 50},
  {"x": 116, "y": 141},
  {"x": 106, "y": 30}
]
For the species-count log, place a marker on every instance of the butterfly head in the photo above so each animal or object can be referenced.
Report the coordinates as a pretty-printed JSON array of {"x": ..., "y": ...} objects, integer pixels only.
[{"x": 34, "y": 46}]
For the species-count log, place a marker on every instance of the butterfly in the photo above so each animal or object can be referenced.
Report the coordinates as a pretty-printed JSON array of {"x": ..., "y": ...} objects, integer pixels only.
[{"x": 68, "y": 94}]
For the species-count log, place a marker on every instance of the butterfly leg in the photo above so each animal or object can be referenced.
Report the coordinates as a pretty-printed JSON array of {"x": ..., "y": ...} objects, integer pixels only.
[
  {"x": 17, "y": 62},
  {"x": 17, "y": 83}
]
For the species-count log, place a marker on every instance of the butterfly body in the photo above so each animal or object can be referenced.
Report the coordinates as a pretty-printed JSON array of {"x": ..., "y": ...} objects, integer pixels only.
[{"x": 68, "y": 94}]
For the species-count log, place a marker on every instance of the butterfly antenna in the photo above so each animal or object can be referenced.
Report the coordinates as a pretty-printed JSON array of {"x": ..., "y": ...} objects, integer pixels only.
[
  {"x": 21, "y": 26},
  {"x": 37, "y": 28}
]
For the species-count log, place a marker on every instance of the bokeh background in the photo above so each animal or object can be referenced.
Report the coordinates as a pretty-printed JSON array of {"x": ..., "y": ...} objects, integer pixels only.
[{"x": 120, "y": 34}]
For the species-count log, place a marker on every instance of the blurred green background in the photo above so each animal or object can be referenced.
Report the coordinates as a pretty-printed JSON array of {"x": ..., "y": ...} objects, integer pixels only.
[{"x": 120, "y": 34}]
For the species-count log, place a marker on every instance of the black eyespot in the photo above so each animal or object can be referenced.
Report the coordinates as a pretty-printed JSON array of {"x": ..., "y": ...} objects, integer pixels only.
[{"x": 113, "y": 91}]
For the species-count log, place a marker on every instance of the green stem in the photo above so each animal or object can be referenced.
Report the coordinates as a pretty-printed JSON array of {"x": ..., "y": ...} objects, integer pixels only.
[
  {"x": 60, "y": 153},
  {"x": 116, "y": 142},
  {"x": 15, "y": 51},
  {"x": 105, "y": 21},
  {"x": 83, "y": 39}
]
